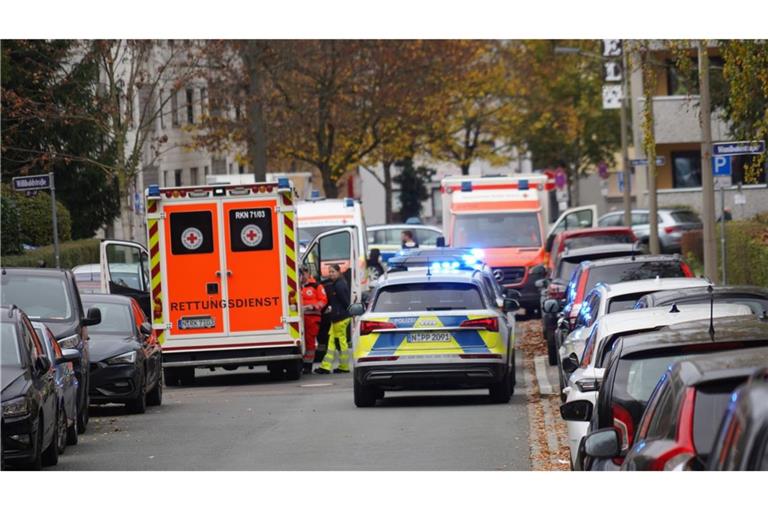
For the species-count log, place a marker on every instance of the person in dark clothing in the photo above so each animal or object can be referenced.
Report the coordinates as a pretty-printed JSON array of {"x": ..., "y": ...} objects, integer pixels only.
[
  {"x": 338, "y": 302},
  {"x": 408, "y": 242},
  {"x": 375, "y": 270}
]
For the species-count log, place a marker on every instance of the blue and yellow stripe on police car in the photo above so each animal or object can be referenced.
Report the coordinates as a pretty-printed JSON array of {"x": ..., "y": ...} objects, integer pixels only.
[{"x": 463, "y": 341}]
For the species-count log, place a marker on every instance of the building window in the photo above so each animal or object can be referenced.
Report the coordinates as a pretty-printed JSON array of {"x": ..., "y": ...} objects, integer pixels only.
[
  {"x": 190, "y": 107},
  {"x": 686, "y": 169},
  {"x": 205, "y": 170},
  {"x": 165, "y": 178},
  {"x": 174, "y": 109},
  {"x": 193, "y": 175},
  {"x": 230, "y": 168},
  {"x": 241, "y": 169},
  {"x": 177, "y": 177},
  {"x": 679, "y": 84},
  {"x": 203, "y": 100},
  {"x": 162, "y": 108}
]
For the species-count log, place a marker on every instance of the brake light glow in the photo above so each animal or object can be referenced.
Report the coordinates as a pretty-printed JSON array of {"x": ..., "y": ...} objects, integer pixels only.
[
  {"x": 369, "y": 326},
  {"x": 672, "y": 229},
  {"x": 488, "y": 324},
  {"x": 623, "y": 422}
]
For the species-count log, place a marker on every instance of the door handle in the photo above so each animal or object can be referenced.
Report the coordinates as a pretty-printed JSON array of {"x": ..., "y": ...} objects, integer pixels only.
[{"x": 218, "y": 273}]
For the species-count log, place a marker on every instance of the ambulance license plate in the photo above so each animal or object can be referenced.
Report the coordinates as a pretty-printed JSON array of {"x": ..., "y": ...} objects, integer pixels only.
[
  {"x": 197, "y": 322},
  {"x": 429, "y": 337}
]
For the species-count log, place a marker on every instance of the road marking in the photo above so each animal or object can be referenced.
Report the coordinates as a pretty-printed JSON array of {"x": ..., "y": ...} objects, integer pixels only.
[
  {"x": 318, "y": 385},
  {"x": 545, "y": 387}
]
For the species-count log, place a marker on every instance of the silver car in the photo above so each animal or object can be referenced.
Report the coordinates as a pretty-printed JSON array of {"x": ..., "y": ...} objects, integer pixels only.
[{"x": 672, "y": 224}]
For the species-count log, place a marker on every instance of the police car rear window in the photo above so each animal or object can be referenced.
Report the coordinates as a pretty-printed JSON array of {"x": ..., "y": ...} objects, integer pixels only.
[{"x": 428, "y": 297}]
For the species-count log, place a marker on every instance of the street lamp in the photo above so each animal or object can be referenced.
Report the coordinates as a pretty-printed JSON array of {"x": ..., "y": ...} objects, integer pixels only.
[{"x": 566, "y": 50}]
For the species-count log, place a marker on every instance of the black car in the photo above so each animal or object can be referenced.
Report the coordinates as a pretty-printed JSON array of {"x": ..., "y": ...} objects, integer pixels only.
[
  {"x": 30, "y": 406},
  {"x": 634, "y": 367},
  {"x": 742, "y": 441},
  {"x": 126, "y": 360},
  {"x": 554, "y": 286},
  {"x": 51, "y": 296},
  {"x": 753, "y": 296}
]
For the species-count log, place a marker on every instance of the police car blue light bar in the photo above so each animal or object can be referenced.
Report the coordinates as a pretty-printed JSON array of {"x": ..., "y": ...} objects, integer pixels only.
[{"x": 442, "y": 266}]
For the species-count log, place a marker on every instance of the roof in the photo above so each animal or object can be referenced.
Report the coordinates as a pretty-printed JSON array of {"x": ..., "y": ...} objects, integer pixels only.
[
  {"x": 576, "y": 233},
  {"x": 596, "y": 250},
  {"x": 650, "y": 318},
  {"x": 741, "y": 363},
  {"x": 625, "y": 259},
  {"x": 420, "y": 275},
  {"x": 727, "y": 329},
  {"x": 650, "y": 285},
  {"x": 403, "y": 227},
  {"x": 106, "y": 298},
  {"x": 31, "y": 271},
  {"x": 669, "y": 296}
]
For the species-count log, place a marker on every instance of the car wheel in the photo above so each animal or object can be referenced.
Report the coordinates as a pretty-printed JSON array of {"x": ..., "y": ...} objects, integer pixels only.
[
  {"x": 513, "y": 376},
  {"x": 50, "y": 456},
  {"x": 139, "y": 404},
  {"x": 293, "y": 370},
  {"x": 551, "y": 349},
  {"x": 61, "y": 440},
  {"x": 365, "y": 396},
  {"x": 379, "y": 394},
  {"x": 36, "y": 463},
  {"x": 501, "y": 391},
  {"x": 171, "y": 376},
  {"x": 72, "y": 431},
  {"x": 82, "y": 418},
  {"x": 276, "y": 371},
  {"x": 155, "y": 396}
]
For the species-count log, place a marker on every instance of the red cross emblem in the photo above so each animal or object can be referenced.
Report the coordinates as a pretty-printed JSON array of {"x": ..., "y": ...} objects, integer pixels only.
[
  {"x": 192, "y": 238},
  {"x": 251, "y": 235}
]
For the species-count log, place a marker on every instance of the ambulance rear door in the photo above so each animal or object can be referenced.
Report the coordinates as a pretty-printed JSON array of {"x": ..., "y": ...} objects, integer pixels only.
[
  {"x": 124, "y": 270},
  {"x": 574, "y": 218},
  {"x": 339, "y": 246},
  {"x": 255, "y": 273}
]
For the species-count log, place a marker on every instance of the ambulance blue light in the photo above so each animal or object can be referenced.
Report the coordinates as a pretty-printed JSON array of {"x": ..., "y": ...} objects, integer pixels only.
[
  {"x": 522, "y": 185},
  {"x": 153, "y": 190},
  {"x": 466, "y": 186},
  {"x": 283, "y": 183},
  {"x": 478, "y": 253},
  {"x": 349, "y": 202},
  {"x": 315, "y": 194}
]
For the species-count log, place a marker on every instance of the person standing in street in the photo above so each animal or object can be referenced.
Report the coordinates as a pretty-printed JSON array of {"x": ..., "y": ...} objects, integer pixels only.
[
  {"x": 408, "y": 242},
  {"x": 338, "y": 302},
  {"x": 314, "y": 300}
]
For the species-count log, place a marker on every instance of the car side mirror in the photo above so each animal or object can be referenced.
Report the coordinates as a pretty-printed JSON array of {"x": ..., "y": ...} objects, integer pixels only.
[
  {"x": 42, "y": 365},
  {"x": 578, "y": 410},
  {"x": 356, "y": 309},
  {"x": 603, "y": 443},
  {"x": 511, "y": 305},
  {"x": 92, "y": 318},
  {"x": 562, "y": 323},
  {"x": 551, "y": 306},
  {"x": 68, "y": 355},
  {"x": 146, "y": 329},
  {"x": 571, "y": 363},
  {"x": 440, "y": 242},
  {"x": 538, "y": 272}
]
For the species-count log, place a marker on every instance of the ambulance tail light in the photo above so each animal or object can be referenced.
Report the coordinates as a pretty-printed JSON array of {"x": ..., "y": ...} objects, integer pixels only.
[
  {"x": 369, "y": 326},
  {"x": 269, "y": 188},
  {"x": 488, "y": 324},
  {"x": 168, "y": 194}
]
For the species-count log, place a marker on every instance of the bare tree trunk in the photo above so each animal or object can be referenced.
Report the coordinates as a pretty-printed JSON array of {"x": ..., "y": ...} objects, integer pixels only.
[
  {"x": 329, "y": 185},
  {"x": 465, "y": 169},
  {"x": 257, "y": 128},
  {"x": 387, "y": 166}
]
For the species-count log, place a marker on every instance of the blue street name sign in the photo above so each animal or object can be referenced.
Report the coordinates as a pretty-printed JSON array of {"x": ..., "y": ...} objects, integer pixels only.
[
  {"x": 742, "y": 147},
  {"x": 644, "y": 161},
  {"x": 38, "y": 182}
]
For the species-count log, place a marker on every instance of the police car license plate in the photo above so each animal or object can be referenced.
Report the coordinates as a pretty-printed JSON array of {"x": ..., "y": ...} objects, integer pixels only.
[
  {"x": 428, "y": 337},
  {"x": 197, "y": 322}
]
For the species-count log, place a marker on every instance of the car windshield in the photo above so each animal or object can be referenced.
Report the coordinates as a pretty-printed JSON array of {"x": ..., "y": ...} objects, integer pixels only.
[
  {"x": 115, "y": 318},
  {"x": 41, "y": 297},
  {"x": 428, "y": 297},
  {"x": 486, "y": 230},
  {"x": 580, "y": 242},
  {"x": 624, "y": 302},
  {"x": 636, "y": 378},
  {"x": 685, "y": 216},
  {"x": 633, "y": 271},
  {"x": 9, "y": 343}
]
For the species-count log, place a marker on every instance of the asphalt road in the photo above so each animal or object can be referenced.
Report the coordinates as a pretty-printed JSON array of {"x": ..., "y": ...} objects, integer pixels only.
[{"x": 244, "y": 421}]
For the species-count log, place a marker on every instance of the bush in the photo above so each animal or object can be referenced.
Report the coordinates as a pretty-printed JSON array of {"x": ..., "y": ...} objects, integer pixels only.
[
  {"x": 9, "y": 224},
  {"x": 71, "y": 254},
  {"x": 746, "y": 252},
  {"x": 34, "y": 212}
]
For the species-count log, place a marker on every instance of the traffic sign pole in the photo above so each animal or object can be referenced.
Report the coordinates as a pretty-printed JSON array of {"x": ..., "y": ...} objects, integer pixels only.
[
  {"x": 55, "y": 222},
  {"x": 707, "y": 179}
]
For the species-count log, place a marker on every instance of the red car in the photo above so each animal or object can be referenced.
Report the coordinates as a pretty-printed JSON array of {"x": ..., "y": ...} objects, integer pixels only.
[{"x": 578, "y": 238}]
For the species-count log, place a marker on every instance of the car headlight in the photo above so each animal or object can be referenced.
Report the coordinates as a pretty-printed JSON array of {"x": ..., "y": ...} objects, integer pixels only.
[
  {"x": 15, "y": 407},
  {"x": 127, "y": 358},
  {"x": 70, "y": 341}
]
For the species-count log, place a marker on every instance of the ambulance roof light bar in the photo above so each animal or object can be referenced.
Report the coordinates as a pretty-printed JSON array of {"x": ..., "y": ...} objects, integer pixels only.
[
  {"x": 153, "y": 190},
  {"x": 349, "y": 202},
  {"x": 283, "y": 183}
]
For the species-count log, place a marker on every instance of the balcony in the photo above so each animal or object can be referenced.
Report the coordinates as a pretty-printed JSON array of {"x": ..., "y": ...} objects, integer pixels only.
[{"x": 676, "y": 120}]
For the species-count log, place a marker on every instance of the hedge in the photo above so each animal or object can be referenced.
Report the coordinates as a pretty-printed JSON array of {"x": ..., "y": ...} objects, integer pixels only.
[
  {"x": 71, "y": 254},
  {"x": 33, "y": 218}
]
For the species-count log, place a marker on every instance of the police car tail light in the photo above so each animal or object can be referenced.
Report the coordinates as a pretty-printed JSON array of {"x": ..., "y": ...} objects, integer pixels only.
[
  {"x": 368, "y": 326},
  {"x": 489, "y": 324}
]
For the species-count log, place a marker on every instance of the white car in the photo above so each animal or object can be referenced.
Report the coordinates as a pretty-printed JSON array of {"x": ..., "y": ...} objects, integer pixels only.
[
  {"x": 586, "y": 372},
  {"x": 387, "y": 238}
]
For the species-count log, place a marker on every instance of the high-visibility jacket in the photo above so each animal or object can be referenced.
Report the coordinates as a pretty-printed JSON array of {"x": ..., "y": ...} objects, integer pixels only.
[{"x": 313, "y": 297}]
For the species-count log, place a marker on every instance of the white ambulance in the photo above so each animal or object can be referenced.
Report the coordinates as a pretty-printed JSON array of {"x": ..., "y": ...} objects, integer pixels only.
[{"x": 221, "y": 275}]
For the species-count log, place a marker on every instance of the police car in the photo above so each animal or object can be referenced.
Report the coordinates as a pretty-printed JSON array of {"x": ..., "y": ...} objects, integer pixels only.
[{"x": 433, "y": 328}]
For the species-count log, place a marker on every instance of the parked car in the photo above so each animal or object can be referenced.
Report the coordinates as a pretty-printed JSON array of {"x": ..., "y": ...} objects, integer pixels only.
[
  {"x": 584, "y": 375},
  {"x": 753, "y": 296},
  {"x": 672, "y": 224},
  {"x": 741, "y": 443},
  {"x": 387, "y": 238},
  {"x": 30, "y": 408},
  {"x": 126, "y": 360},
  {"x": 51, "y": 296},
  {"x": 613, "y": 270},
  {"x": 638, "y": 361},
  {"x": 680, "y": 422},
  {"x": 554, "y": 287},
  {"x": 584, "y": 238},
  {"x": 66, "y": 384}
]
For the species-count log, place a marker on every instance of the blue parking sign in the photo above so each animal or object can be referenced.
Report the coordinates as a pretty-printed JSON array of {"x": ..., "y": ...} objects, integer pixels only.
[{"x": 721, "y": 165}]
